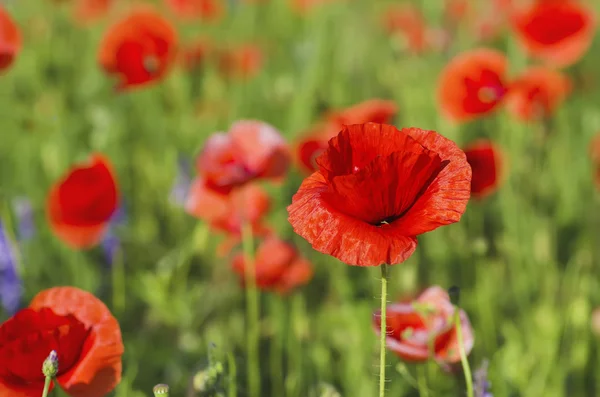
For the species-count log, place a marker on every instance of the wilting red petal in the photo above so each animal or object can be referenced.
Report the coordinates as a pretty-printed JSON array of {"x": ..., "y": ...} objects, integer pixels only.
[
  {"x": 558, "y": 32},
  {"x": 537, "y": 93},
  {"x": 472, "y": 84},
  {"x": 196, "y": 9},
  {"x": 485, "y": 159},
  {"x": 139, "y": 49},
  {"x": 81, "y": 204},
  {"x": 98, "y": 369},
  {"x": 376, "y": 189},
  {"x": 10, "y": 40}
]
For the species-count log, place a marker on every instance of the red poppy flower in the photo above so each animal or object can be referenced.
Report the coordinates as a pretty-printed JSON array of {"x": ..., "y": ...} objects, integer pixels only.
[
  {"x": 537, "y": 93},
  {"x": 243, "y": 62},
  {"x": 406, "y": 21},
  {"x": 195, "y": 54},
  {"x": 485, "y": 159},
  {"x": 472, "y": 84},
  {"x": 196, "y": 9},
  {"x": 81, "y": 204},
  {"x": 139, "y": 49},
  {"x": 250, "y": 150},
  {"x": 88, "y": 11},
  {"x": 76, "y": 325},
  {"x": 278, "y": 266},
  {"x": 308, "y": 152},
  {"x": 424, "y": 329},
  {"x": 10, "y": 40},
  {"x": 377, "y": 189},
  {"x": 558, "y": 32}
]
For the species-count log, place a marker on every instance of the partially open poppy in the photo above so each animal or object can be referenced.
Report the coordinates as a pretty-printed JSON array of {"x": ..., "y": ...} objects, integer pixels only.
[
  {"x": 250, "y": 150},
  {"x": 75, "y": 324},
  {"x": 537, "y": 93},
  {"x": 196, "y": 9},
  {"x": 279, "y": 266},
  {"x": 229, "y": 212},
  {"x": 472, "y": 84},
  {"x": 139, "y": 49},
  {"x": 424, "y": 329},
  {"x": 377, "y": 189},
  {"x": 558, "y": 32},
  {"x": 486, "y": 162},
  {"x": 80, "y": 205},
  {"x": 10, "y": 40}
]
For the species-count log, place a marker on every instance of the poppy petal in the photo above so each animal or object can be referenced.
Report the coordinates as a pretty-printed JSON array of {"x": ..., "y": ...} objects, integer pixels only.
[
  {"x": 99, "y": 368},
  {"x": 350, "y": 240},
  {"x": 486, "y": 164}
]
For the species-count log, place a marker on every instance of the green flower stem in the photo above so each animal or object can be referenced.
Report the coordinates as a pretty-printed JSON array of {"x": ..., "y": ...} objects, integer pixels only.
[
  {"x": 422, "y": 381},
  {"x": 383, "y": 329},
  {"x": 252, "y": 312},
  {"x": 46, "y": 386},
  {"x": 463, "y": 354}
]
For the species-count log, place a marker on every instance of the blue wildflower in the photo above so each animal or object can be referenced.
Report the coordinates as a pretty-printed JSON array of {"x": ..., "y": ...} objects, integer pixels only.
[
  {"x": 182, "y": 183},
  {"x": 24, "y": 212},
  {"x": 481, "y": 385},
  {"x": 111, "y": 243},
  {"x": 11, "y": 286}
]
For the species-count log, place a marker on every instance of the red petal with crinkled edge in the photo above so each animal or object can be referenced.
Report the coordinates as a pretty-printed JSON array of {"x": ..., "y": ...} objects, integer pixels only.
[
  {"x": 446, "y": 198},
  {"x": 98, "y": 370},
  {"x": 350, "y": 240}
]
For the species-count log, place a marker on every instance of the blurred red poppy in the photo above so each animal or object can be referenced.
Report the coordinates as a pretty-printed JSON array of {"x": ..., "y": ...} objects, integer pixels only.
[
  {"x": 196, "y": 9},
  {"x": 244, "y": 61},
  {"x": 139, "y": 49},
  {"x": 558, "y": 32},
  {"x": 80, "y": 205},
  {"x": 537, "y": 93},
  {"x": 472, "y": 84},
  {"x": 250, "y": 150},
  {"x": 424, "y": 329},
  {"x": 406, "y": 21},
  {"x": 377, "y": 189},
  {"x": 88, "y": 11},
  {"x": 195, "y": 54},
  {"x": 372, "y": 110},
  {"x": 10, "y": 40},
  {"x": 82, "y": 331},
  {"x": 305, "y": 6},
  {"x": 486, "y": 161},
  {"x": 278, "y": 265}
]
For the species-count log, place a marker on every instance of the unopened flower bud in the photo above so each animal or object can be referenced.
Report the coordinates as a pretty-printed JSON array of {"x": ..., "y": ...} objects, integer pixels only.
[
  {"x": 161, "y": 390},
  {"x": 454, "y": 293},
  {"x": 50, "y": 365}
]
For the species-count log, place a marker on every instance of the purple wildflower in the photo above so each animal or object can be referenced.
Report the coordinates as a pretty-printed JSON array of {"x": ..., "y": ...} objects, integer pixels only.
[
  {"x": 24, "y": 212},
  {"x": 111, "y": 243},
  {"x": 481, "y": 384},
  {"x": 11, "y": 286},
  {"x": 182, "y": 183}
]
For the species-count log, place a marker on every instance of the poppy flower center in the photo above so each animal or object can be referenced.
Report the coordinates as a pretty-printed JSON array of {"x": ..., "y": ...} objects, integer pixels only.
[
  {"x": 489, "y": 94},
  {"x": 151, "y": 64}
]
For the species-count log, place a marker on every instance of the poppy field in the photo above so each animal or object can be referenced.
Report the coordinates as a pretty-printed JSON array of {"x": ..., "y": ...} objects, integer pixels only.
[{"x": 299, "y": 198}]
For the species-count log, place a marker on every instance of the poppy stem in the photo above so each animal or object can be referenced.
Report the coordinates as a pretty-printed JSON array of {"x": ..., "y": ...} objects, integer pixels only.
[
  {"x": 252, "y": 312},
  {"x": 463, "y": 355},
  {"x": 46, "y": 386},
  {"x": 383, "y": 329}
]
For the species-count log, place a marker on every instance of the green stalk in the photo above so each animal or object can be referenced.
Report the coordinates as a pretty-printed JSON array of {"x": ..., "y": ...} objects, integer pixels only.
[
  {"x": 383, "y": 329},
  {"x": 46, "y": 386},
  {"x": 252, "y": 312},
  {"x": 463, "y": 355}
]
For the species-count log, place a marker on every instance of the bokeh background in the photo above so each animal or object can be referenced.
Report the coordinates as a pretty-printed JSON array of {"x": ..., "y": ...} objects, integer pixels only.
[{"x": 526, "y": 258}]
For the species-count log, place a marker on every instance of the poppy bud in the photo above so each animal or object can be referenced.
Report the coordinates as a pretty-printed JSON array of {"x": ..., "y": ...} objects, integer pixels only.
[
  {"x": 50, "y": 365},
  {"x": 161, "y": 390},
  {"x": 454, "y": 293}
]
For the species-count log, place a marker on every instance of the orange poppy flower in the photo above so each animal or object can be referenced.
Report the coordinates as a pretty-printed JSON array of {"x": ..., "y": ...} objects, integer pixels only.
[
  {"x": 82, "y": 331},
  {"x": 558, "y": 32},
  {"x": 87, "y": 11},
  {"x": 195, "y": 54},
  {"x": 10, "y": 40},
  {"x": 244, "y": 61},
  {"x": 472, "y": 84},
  {"x": 424, "y": 329},
  {"x": 196, "y": 9},
  {"x": 250, "y": 150},
  {"x": 139, "y": 49},
  {"x": 486, "y": 162},
  {"x": 407, "y": 22},
  {"x": 81, "y": 204},
  {"x": 228, "y": 212},
  {"x": 279, "y": 266},
  {"x": 377, "y": 189},
  {"x": 537, "y": 93}
]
